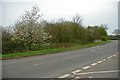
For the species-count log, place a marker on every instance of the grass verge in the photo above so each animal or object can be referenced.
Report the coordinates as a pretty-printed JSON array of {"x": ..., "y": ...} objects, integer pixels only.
[{"x": 49, "y": 51}]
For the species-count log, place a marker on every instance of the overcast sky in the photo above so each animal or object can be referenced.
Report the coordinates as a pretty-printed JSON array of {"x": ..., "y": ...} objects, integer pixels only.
[{"x": 92, "y": 11}]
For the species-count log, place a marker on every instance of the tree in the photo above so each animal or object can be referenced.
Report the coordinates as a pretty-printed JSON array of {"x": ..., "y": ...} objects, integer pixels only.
[
  {"x": 7, "y": 43},
  {"x": 116, "y": 33},
  {"x": 96, "y": 32},
  {"x": 66, "y": 31},
  {"x": 78, "y": 28},
  {"x": 28, "y": 29},
  {"x": 102, "y": 30},
  {"x": 77, "y": 19},
  {"x": 90, "y": 33}
]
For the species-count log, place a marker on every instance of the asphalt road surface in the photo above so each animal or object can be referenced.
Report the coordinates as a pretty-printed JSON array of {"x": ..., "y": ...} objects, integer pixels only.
[
  {"x": 104, "y": 68},
  {"x": 63, "y": 63}
]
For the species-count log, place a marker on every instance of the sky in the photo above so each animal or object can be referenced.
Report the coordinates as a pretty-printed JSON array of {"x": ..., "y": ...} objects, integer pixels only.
[{"x": 92, "y": 11}]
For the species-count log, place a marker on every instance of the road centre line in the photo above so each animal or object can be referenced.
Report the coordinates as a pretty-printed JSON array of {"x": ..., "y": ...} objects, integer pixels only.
[
  {"x": 64, "y": 76},
  {"x": 104, "y": 60},
  {"x": 99, "y": 62},
  {"x": 86, "y": 67},
  {"x": 108, "y": 57},
  {"x": 65, "y": 59},
  {"x": 76, "y": 71},
  {"x": 114, "y": 54},
  {"x": 94, "y": 64}
]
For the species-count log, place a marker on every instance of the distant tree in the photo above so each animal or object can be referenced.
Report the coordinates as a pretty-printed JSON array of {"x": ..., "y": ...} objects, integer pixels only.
[
  {"x": 116, "y": 32},
  {"x": 78, "y": 29},
  {"x": 102, "y": 30},
  {"x": 96, "y": 32},
  {"x": 77, "y": 19},
  {"x": 90, "y": 33},
  {"x": 60, "y": 31},
  {"x": 66, "y": 31}
]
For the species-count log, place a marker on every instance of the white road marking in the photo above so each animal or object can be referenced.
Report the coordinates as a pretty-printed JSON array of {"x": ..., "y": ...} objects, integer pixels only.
[
  {"x": 108, "y": 57},
  {"x": 94, "y": 64},
  {"x": 86, "y": 67},
  {"x": 63, "y": 59},
  {"x": 76, "y": 71},
  {"x": 98, "y": 72},
  {"x": 77, "y": 77},
  {"x": 90, "y": 77},
  {"x": 64, "y": 76},
  {"x": 114, "y": 54},
  {"x": 104, "y": 60},
  {"x": 111, "y": 56},
  {"x": 99, "y": 62},
  {"x": 66, "y": 58}
]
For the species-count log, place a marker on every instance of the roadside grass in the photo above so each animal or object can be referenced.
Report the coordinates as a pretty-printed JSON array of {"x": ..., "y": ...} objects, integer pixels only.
[{"x": 49, "y": 51}]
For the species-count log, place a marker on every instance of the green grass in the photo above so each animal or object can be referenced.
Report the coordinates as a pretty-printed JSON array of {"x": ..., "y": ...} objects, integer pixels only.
[{"x": 49, "y": 51}]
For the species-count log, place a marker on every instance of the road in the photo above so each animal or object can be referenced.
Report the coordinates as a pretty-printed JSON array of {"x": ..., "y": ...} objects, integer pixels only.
[
  {"x": 104, "y": 68},
  {"x": 56, "y": 65}
]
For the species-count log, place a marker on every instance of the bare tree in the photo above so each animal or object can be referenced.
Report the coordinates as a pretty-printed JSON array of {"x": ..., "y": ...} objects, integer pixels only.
[
  {"x": 77, "y": 19},
  {"x": 116, "y": 32}
]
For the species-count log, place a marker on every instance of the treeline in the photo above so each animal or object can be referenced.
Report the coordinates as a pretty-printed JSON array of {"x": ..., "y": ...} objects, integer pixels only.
[
  {"x": 68, "y": 31},
  {"x": 29, "y": 33}
]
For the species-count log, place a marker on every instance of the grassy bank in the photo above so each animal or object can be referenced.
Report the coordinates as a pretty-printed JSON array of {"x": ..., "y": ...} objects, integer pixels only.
[{"x": 49, "y": 51}]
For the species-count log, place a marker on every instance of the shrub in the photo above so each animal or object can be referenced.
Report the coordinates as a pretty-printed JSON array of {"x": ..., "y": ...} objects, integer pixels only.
[{"x": 103, "y": 38}]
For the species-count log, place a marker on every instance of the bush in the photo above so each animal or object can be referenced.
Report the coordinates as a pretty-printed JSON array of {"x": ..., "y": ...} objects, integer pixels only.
[
  {"x": 103, "y": 38},
  {"x": 7, "y": 47}
]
